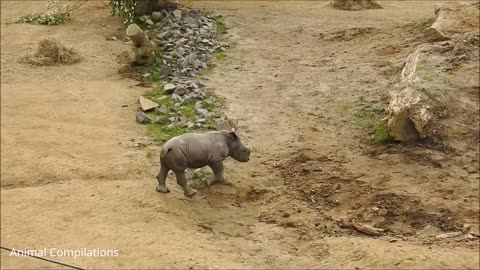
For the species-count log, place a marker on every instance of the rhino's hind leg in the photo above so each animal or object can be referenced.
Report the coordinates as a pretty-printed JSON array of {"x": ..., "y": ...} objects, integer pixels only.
[
  {"x": 217, "y": 169},
  {"x": 182, "y": 181},
  {"x": 161, "y": 177}
]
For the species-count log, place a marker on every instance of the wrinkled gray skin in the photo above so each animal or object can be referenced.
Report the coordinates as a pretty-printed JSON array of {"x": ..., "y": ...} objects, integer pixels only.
[{"x": 197, "y": 150}]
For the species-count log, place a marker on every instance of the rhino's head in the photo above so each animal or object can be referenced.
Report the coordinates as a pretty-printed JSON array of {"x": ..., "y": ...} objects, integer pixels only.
[{"x": 237, "y": 150}]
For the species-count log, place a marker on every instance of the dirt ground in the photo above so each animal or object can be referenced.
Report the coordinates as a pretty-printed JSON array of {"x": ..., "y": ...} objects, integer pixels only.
[{"x": 296, "y": 76}]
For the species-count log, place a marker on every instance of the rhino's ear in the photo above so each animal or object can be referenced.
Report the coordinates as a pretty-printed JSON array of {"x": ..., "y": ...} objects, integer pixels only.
[{"x": 234, "y": 135}]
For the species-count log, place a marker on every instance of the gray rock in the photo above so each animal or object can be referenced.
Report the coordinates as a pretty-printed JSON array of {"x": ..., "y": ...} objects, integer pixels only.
[
  {"x": 149, "y": 22},
  {"x": 196, "y": 92},
  {"x": 162, "y": 109},
  {"x": 190, "y": 125},
  {"x": 146, "y": 104},
  {"x": 189, "y": 98},
  {"x": 180, "y": 50},
  {"x": 190, "y": 21},
  {"x": 164, "y": 35},
  {"x": 165, "y": 71},
  {"x": 201, "y": 121},
  {"x": 197, "y": 64},
  {"x": 157, "y": 16},
  {"x": 161, "y": 120},
  {"x": 194, "y": 85},
  {"x": 180, "y": 91},
  {"x": 177, "y": 13},
  {"x": 183, "y": 120},
  {"x": 201, "y": 111},
  {"x": 169, "y": 88},
  {"x": 142, "y": 118},
  {"x": 191, "y": 57},
  {"x": 181, "y": 41},
  {"x": 176, "y": 98},
  {"x": 198, "y": 104}
]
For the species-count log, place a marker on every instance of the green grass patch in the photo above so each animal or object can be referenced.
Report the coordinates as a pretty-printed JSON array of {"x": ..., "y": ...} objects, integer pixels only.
[
  {"x": 210, "y": 106},
  {"x": 220, "y": 56},
  {"x": 154, "y": 77},
  {"x": 53, "y": 18},
  {"x": 188, "y": 110},
  {"x": 161, "y": 132},
  {"x": 156, "y": 94},
  {"x": 220, "y": 23},
  {"x": 370, "y": 118},
  {"x": 58, "y": 12},
  {"x": 199, "y": 179}
]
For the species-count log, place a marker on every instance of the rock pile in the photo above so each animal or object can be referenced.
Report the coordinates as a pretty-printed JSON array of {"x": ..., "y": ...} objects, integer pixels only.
[{"x": 186, "y": 40}]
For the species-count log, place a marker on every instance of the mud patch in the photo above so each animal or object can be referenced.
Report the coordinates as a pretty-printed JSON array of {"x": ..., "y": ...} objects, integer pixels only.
[{"x": 340, "y": 197}]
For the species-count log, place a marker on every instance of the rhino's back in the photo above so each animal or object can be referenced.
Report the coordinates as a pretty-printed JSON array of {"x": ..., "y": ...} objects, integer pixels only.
[{"x": 200, "y": 148}]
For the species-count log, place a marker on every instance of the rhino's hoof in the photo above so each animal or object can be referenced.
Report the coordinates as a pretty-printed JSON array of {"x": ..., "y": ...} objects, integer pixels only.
[
  {"x": 190, "y": 193},
  {"x": 214, "y": 182},
  {"x": 162, "y": 189}
]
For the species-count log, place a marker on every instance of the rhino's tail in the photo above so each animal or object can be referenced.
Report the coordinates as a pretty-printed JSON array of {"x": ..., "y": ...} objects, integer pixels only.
[{"x": 165, "y": 151}]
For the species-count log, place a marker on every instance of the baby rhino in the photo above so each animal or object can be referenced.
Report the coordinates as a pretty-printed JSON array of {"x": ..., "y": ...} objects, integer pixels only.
[{"x": 196, "y": 150}]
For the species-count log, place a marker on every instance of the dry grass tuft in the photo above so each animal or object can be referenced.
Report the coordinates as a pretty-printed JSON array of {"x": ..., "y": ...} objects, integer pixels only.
[
  {"x": 52, "y": 52},
  {"x": 355, "y": 4}
]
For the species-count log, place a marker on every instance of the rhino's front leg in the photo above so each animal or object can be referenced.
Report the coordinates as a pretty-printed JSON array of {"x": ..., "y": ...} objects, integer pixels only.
[
  {"x": 217, "y": 169},
  {"x": 161, "y": 177},
  {"x": 182, "y": 181}
]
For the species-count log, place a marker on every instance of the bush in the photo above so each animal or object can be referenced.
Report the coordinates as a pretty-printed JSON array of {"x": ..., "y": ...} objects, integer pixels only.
[
  {"x": 57, "y": 13},
  {"x": 130, "y": 9},
  {"x": 124, "y": 8}
]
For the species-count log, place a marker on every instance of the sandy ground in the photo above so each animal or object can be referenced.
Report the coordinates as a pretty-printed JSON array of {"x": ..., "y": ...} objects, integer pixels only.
[{"x": 298, "y": 73}]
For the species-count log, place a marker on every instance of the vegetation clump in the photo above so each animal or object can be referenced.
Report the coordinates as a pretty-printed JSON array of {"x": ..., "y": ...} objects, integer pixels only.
[
  {"x": 57, "y": 13},
  {"x": 370, "y": 118}
]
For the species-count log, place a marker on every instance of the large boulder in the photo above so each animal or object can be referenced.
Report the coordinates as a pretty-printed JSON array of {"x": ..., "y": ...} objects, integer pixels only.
[
  {"x": 438, "y": 92},
  {"x": 437, "y": 95},
  {"x": 452, "y": 19}
]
